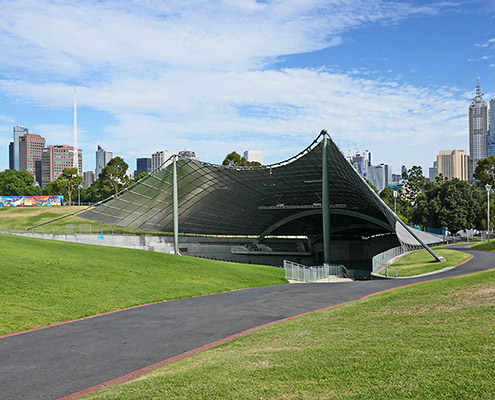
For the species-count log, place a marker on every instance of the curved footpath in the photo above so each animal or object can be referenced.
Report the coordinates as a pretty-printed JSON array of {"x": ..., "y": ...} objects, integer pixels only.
[{"x": 60, "y": 360}]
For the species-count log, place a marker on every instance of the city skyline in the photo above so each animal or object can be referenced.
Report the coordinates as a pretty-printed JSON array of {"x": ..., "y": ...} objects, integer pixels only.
[{"x": 392, "y": 77}]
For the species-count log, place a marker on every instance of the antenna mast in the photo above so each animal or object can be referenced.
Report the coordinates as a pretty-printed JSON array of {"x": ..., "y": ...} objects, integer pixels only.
[{"x": 75, "y": 152}]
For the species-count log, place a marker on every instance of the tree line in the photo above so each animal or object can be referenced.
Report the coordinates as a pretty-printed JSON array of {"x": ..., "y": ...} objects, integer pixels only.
[{"x": 443, "y": 203}]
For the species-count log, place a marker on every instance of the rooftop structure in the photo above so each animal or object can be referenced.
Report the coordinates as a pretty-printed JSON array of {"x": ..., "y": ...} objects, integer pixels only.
[{"x": 316, "y": 194}]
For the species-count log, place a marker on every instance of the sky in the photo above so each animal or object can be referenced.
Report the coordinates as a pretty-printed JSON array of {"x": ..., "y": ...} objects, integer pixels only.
[{"x": 213, "y": 76}]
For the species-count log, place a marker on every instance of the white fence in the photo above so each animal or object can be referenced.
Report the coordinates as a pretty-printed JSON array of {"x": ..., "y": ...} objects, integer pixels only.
[{"x": 303, "y": 273}]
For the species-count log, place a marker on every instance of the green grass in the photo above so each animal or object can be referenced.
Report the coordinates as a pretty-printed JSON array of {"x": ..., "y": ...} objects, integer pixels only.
[
  {"x": 421, "y": 262},
  {"x": 428, "y": 341},
  {"x": 485, "y": 246},
  {"x": 17, "y": 219},
  {"x": 43, "y": 281}
]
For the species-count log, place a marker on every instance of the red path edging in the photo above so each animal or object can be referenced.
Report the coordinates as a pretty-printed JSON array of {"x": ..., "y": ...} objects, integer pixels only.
[{"x": 140, "y": 372}]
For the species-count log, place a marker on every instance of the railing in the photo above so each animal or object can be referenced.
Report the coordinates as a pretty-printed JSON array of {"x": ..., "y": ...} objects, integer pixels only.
[
  {"x": 381, "y": 259},
  {"x": 303, "y": 273}
]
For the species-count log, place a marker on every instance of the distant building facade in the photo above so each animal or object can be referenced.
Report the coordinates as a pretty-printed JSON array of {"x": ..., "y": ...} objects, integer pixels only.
[
  {"x": 380, "y": 176},
  {"x": 158, "y": 158},
  {"x": 53, "y": 161},
  {"x": 18, "y": 132},
  {"x": 478, "y": 130},
  {"x": 88, "y": 178},
  {"x": 189, "y": 154},
  {"x": 11, "y": 155},
  {"x": 30, "y": 151},
  {"x": 143, "y": 165},
  {"x": 491, "y": 130},
  {"x": 254, "y": 155},
  {"x": 433, "y": 171},
  {"x": 453, "y": 164},
  {"x": 102, "y": 159}
]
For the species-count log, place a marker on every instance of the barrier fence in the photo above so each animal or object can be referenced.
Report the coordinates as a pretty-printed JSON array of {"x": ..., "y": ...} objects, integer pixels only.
[{"x": 303, "y": 273}]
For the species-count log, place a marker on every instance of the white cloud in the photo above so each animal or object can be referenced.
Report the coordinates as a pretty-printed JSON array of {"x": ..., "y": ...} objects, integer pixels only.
[{"x": 197, "y": 74}]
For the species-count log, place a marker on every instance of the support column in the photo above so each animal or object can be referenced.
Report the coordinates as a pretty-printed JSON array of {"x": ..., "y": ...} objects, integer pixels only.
[
  {"x": 325, "y": 205},
  {"x": 175, "y": 195}
]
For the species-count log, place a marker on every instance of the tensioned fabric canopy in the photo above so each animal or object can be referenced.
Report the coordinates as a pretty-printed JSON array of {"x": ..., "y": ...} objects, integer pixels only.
[{"x": 278, "y": 199}]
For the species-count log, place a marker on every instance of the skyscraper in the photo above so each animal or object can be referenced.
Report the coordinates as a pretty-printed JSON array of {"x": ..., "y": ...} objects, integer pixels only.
[
  {"x": 478, "y": 130},
  {"x": 254, "y": 155},
  {"x": 453, "y": 164},
  {"x": 30, "y": 150},
  {"x": 491, "y": 130},
  {"x": 143, "y": 165},
  {"x": 102, "y": 159},
  {"x": 11, "y": 155},
  {"x": 54, "y": 159},
  {"x": 158, "y": 158},
  {"x": 18, "y": 131}
]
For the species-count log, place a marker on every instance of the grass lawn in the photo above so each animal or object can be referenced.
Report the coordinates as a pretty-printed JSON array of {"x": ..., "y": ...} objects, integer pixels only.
[
  {"x": 485, "y": 246},
  {"x": 420, "y": 262},
  {"x": 17, "y": 219},
  {"x": 44, "y": 281},
  {"x": 428, "y": 341}
]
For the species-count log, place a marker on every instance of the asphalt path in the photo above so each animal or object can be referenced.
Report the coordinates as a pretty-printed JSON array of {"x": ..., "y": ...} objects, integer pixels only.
[{"x": 60, "y": 360}]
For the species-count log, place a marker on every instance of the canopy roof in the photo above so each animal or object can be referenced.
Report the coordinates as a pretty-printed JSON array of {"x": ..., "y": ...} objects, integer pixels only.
[{"x": 279, "y": 199}]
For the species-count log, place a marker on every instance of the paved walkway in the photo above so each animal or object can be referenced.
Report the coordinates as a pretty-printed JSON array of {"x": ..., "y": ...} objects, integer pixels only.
[{"x": 60, "y": 360}]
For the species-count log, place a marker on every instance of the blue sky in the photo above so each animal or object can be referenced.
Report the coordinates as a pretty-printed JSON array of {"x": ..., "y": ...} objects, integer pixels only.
[{"x": 394, "y": 77}]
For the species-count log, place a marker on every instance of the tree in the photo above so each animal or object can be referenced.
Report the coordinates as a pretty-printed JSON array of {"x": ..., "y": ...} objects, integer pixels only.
[
  {"x": 71, "y": 179},
  {"x": 18, "y": 183},
  {"x": 415, "y": 183},
  {"x": 485, "y": 171},
  {"x": 404, "y": 208},
  {"x": 112, "y": 178},
  {"x": 65, "y": 184},
  {"x": 453, "y": 203},
  {"x": 234, "y": 159}
]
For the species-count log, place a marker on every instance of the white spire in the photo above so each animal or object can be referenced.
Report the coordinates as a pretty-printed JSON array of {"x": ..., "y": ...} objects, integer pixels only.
[{"x": 75, "y": 163}]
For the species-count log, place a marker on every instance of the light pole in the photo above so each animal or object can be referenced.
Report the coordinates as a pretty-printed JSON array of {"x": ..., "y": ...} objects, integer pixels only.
[
  {"x": 395, "y": 201},
  {"x": 488, "y": 188}
]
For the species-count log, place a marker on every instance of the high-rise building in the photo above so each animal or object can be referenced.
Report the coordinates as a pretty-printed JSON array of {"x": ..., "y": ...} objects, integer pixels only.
[
  {"x": 18, "y": 132},
  {"x": 189, "y": 154},
  {"x": 158, "y": 158},
  {"x": 88, "y": 178},
  {"x": 362, "y": 163},
  {"x": 53, "y": 161},
  {"x": 478, "y": 129},
  {"x": 254, "y": 155},
  {"x": 11, "y": 155},
  {"x": 433, "y": 171},
  {"x": 453, "y": 164},
  {"x": 143, "y": 165},
  {"x": 380, "y": 176},
  {"x": 30, "y": 150},
  {"x": 491, "y": 130},
  {"x": 102, "y": 159}
]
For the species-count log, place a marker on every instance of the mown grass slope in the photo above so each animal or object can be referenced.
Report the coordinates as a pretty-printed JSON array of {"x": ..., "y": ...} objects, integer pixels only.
[
  {"x": 421, "y": 262},
  {"x": 43, "y": 281},
  {"x": 17, "y": 219},
  {"x": 429, "y": 341}
]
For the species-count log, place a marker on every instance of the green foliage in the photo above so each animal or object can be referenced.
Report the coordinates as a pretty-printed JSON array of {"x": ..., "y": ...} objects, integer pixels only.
[
  {"x": 453, "y": 203},
  {"x": 371, "y": 186},
  {"x": 234, "y": 159},
  {"x": 404, "y": 208},
  {"x": 415, "y": 183},
  {"x": 485, "y": 171},
  {"x": 430, "y": 341},
  {"x": 113, "y": 177},
  {"x": 46, "y": 281},
  {"x": 18, "y": 183}
]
